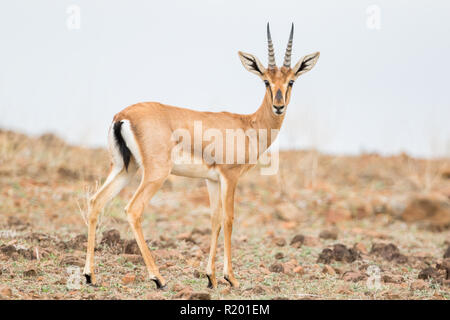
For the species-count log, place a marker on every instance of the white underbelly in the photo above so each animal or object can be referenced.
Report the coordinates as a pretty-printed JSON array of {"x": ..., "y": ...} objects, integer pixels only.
[{"x": 195, "y": 171}]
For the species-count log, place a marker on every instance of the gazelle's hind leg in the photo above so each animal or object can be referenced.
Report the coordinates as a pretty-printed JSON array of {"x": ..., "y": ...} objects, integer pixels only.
[
  {"x": 152, "y": 179},
  {"x": 216, "y": 219},
  {"x": 117, "y": 179}
]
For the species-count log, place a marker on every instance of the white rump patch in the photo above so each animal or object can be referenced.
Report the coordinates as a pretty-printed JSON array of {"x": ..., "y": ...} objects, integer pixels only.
[{"x": 131, "y": 142}]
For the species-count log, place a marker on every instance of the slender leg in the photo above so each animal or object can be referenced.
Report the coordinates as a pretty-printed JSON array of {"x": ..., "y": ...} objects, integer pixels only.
[
  {"x": 134, "y": 209},
  {"x": 216, "y": 215},
  {"x": 117, "y": 179},
  {"x": 228, "y": 187}
]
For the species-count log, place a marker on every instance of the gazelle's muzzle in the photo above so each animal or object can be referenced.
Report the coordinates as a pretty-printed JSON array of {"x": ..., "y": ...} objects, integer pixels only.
[
  {"x": 278, "y": 110},
  {"x": 278, "y": 103}
]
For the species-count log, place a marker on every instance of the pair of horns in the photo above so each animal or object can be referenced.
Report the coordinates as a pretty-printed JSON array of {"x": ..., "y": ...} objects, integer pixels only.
[{"x": 287, "y": 56}]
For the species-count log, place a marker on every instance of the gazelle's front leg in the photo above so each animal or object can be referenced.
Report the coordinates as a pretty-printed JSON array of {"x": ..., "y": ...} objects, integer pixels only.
[
  {"x": 228, "y": 187},
  {"x": 216, "y": 214}
]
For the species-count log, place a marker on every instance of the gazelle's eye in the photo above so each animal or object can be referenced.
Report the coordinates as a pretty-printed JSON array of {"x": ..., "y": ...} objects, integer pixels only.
[
  {"x": 266, "y": 82},
  {"x": 291, "y": 83}
]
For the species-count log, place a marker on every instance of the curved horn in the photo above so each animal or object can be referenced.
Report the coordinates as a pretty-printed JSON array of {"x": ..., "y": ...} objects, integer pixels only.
[
  {"x": 287, "y": 57},
  {"x": 272, "y": 63}
]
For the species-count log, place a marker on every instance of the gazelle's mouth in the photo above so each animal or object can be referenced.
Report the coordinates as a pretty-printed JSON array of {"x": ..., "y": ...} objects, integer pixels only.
[{"x": 278, "y": 109}]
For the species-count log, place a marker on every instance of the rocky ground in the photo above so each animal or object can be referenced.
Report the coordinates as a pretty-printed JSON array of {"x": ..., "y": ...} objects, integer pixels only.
[{"x": 324, "y": 227}]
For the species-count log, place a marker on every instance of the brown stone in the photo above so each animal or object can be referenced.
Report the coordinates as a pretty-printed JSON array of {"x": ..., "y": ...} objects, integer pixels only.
[
  {"x": 276, "y": 267},
  {"x": 419, "y": 285},
  {"x": 360, "y": 247},
  {"x": 328, "y": 234},
  {"x": 128, "y": 278},
  {"x": 281, "y": 242},
  {"x": 353, "y": 276},
  {"x": 299, "y": 270},
  {"x": 431, "y": 208},
  {"x": 327, "y": 269}
]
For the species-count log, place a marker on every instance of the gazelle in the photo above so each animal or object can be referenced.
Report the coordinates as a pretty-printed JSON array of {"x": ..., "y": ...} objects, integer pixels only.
[{"x": 142, "y": 135}]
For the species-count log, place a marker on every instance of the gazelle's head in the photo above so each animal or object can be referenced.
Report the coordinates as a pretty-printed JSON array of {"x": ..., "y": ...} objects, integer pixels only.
[{"x": 279, "y": 81}]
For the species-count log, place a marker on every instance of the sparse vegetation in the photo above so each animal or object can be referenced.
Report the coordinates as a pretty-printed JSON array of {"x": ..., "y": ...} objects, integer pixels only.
[{"x": 364, "y": 203}]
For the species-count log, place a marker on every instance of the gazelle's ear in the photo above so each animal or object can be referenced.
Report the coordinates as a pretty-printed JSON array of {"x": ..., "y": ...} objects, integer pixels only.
[
  {"x": 251, "y": 63},
  {"x": 305, "y": 64}
]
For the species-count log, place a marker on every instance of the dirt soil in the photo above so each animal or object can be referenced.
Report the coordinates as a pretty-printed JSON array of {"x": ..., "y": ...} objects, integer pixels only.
[{"x": 324, "y": 227}]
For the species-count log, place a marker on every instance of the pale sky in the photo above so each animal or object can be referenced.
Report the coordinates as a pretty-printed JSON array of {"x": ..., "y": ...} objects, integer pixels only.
[{"x": 375, "y": 90}]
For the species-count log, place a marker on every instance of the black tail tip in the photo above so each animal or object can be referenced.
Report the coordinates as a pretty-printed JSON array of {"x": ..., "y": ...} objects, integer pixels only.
[{"x": 124, "y": 151}]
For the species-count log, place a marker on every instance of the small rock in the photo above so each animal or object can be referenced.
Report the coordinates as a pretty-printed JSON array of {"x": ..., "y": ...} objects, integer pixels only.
[
  {"x": 299, "y": 270},
  {"x": 281, "y": 242},
  {"x": 133, "y": 258},
  {"x": 128, "y": 278},
  {"x": 297, "y": 241},
  {"x": 325, "y": 256},
  {"x": 311, "y": 241},
  {"x": 258, "y": 290},
  {"x": 327, "y": 269},
  {"x": 197, "y": 274},
  {"x": 264, "y": 270},
  {"x": 391, "y": 278},
  {"x": 344, "y": 289},
  {"x": 5, "y": 291},
  {"x": 279, "y": 255},
  {"x": 447, "y": 253},
  {"x": 78, "y": 243},
  {"x": 8, "y": 250},
  {"x": 339, "y": 253},
  {"x": 225, "y": 291},
  {"x": 288, "y": 267},
  {"x": 71, "y": 261},
  {"x": 131, "y": 247},
  {"x": 276, "y": 267},
  {"x": 199, "y": 296},
  {"x": 353, "y": 276},
  {"x": 428, "y": 273},
  {"x": 154, "y": 296},
  {"x": 360, "y": 247},
  {"x": 186, "y": 236},
  {"x": 433, "y": 209},
  {"x": 178, "y": 287},
  {"x": 30, "y": 273},
  {"x": 328, "y": 234},
  {"x": 183, "y": 294},
  {"x": 390, "y": 252},
  {"x": 111, "y": 237},
  {"x": 419, "y": 285}
]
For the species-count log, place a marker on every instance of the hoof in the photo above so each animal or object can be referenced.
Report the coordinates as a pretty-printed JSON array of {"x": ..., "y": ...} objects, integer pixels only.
[
  {"x": 88, "y": 278},
  {"x": 226, "y": 278},
  {"x": 159, "y": 285},
  {"x": 231, "y": 283},
  {"x": 210, "y": 284}
]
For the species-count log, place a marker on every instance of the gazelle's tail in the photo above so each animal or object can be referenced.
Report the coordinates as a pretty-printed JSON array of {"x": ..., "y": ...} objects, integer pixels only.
[
  {"x": 123, "y": 145},
  {"x": 123, "y": 149}
]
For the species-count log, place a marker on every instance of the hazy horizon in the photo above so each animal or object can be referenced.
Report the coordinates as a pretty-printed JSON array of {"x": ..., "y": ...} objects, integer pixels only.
[{"x": 373, "y": 90}]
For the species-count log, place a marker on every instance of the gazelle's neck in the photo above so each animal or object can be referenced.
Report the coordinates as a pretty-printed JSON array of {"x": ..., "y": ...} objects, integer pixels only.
[{"x": 264, "y": 118}]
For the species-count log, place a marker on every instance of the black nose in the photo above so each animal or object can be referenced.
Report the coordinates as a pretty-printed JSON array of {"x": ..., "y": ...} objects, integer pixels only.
[{"x": 278, "y": 109}]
